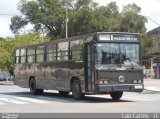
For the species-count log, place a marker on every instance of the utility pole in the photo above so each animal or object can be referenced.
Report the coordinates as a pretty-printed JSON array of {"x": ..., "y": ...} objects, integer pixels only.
[{"x": 66, "y": 20}]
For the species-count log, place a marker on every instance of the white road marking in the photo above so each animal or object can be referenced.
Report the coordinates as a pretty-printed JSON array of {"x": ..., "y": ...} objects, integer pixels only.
[
  {"x": 2, "y": 103},
  {"x": 31, "y": 100},
  {"x": 27, "y": 100},
  {"x": 9, "y": 100}
]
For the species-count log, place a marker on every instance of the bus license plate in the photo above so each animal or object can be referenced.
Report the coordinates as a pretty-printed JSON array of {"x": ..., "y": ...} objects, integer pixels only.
[{"x": 122, "y": 87}]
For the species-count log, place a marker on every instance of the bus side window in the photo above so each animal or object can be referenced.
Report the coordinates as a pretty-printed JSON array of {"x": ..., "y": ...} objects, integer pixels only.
[
  {"x": 17, "y": 56},
  {"x": 51, "y": 52},
  {"x": 76, "y": 49},
  {"x": 62, "y": 51},
  {"x": 23, "y": 55},
  {"x": 31, "y": 54},
  {"x": 40, "y": 50}
]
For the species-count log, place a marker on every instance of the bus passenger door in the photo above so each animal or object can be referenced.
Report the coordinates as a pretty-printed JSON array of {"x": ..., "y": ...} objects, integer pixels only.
[{"x": 88, "y": 61}]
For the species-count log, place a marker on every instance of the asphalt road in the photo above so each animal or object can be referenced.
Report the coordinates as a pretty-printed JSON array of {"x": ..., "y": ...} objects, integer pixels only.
[{"x": 19, "y": 100}]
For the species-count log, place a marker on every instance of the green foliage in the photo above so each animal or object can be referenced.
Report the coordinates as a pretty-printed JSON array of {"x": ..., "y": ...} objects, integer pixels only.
[
  {"x": 131, "y": 21},
  {"x": 85, "y": 16},
  {"x": 84, "y": 3},
  {"x": 105, "y": 18},
  {"x": 131, "y": 8},
  {"x": 79, "y": 22},
  {"x": 17, "y": 23},
  {"x": 48, "y": 15},
  {"x": 146, "y": 43},
  {"x": 7, "y": 47}
]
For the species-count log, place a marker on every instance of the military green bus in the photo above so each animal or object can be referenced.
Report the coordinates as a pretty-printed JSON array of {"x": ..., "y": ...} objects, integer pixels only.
[{"x": 97, "y": 63}]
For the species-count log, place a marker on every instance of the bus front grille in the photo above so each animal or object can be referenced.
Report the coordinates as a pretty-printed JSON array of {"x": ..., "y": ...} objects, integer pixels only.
[{"x": 113, "y": 76}]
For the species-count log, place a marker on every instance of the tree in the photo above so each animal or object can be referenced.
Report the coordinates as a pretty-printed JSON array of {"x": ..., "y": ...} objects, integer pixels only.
[
  {"x": 48, "y": 15},
  {"x": 88, "y": 20},
  {"x": 106, "y": 18},
  {"x": 131, "y": 21},
  {"x": 84, "y": 3},
  {"x": 146, "y": 43},
  {"x": 80, "y": 21},
  {"x": 7, "y": 47},
  {"x": 85, "y": 17}
]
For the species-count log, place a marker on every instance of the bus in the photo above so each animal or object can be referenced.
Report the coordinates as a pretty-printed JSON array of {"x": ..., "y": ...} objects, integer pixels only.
[{"x": 97, "y": 63}]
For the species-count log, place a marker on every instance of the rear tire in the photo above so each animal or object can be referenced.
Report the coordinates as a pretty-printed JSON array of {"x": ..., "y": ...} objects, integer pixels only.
[
  {"x": 40, "y": 91},
  {"x": 116, "y": 95},
  {"x": 33, "y": 89},
  {"x": 76, "y": 90}
]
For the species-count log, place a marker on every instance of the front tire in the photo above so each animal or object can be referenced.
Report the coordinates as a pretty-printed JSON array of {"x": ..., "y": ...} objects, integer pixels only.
[
  {"x": 76, "y": 90},
  {"x": 33, "y": 89},
  {"x": 116, "y": 95},
  {"x": 63, "y": 93}
]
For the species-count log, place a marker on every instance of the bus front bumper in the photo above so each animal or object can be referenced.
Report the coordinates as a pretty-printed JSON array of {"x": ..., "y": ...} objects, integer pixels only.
[{"x": 120, "y": 87}]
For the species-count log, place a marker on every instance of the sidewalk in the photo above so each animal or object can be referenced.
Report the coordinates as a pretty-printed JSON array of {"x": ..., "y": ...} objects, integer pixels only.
[
  {"x": 152, "y": 84},
  {"x": 6, "y": 83}
]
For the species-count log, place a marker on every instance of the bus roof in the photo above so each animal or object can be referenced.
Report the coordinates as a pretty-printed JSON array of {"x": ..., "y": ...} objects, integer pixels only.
[
  {"x": 118, "y": 33},
  {"x": 73, "y": 38}
]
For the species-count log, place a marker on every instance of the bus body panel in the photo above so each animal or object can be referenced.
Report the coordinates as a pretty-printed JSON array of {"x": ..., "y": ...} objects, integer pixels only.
[
  {"x": 50, "y": 77},
  {"x": 76, "y": 70}
]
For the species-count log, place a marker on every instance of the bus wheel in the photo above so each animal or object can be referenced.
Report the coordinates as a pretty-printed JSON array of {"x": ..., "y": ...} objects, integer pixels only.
[
  {"x": 116, "y": 95},
  {"x": 63, "y": 93},
  {"x": 76, "y": 90},
  {"x": 33, "y": 89},
  {"x": 40, "y": 91}
]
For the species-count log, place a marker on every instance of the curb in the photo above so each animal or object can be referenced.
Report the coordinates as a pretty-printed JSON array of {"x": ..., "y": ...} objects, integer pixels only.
[{"x": 6, "y": 83}]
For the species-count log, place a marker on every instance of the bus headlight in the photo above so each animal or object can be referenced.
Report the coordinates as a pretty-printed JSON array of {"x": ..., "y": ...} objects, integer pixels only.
[
  {"x": 102, "y": 82},
  {"x": 135, "y": 81},
  {"x": 139, "y": 81},
  {"x": 138, "y": 87},
  {"x": 106, "y": 82}
]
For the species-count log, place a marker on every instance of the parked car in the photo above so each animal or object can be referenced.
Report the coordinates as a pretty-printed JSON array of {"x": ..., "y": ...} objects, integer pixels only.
[
  {"x": 5, "y": 76},
  {"x": 1, "y": 76}
]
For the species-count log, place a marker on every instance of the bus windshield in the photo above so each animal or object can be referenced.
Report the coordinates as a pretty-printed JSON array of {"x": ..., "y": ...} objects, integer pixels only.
[{"x": 119, "y": 54}]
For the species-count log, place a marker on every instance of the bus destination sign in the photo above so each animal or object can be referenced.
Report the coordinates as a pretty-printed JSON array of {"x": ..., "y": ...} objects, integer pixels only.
[{"x": 118, "y": 37}]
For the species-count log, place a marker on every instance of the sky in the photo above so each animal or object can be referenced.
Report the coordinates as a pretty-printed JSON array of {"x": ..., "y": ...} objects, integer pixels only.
[{"x": 149, "y": 8}]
